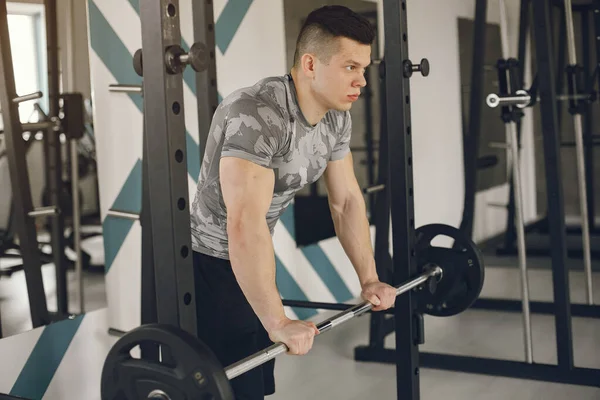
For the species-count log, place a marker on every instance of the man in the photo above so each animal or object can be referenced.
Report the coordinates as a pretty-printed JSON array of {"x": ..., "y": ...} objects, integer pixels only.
[{"x": 267, "y": 142}]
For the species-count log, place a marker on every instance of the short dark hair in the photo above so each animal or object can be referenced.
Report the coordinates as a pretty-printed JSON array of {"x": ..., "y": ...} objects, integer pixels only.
[{"x": 327, "y": 23}]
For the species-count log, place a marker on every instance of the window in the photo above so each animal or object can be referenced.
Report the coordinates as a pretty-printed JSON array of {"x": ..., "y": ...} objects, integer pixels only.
[{"x": 27, "y": 39}]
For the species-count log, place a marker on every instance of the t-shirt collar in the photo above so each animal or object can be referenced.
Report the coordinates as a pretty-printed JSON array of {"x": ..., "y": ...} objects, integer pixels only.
[{"x": 295, "y": 106}]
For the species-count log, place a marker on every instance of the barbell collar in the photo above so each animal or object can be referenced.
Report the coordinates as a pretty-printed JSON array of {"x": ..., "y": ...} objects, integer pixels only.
[
  {"x": 276, "y": 349},
  {"x": 521, "y": 99},
  {"x": 158, "y": 395}
]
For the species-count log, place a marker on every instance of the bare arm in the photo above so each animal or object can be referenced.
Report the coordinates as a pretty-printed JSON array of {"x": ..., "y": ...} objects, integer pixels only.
[
  {"x": 247, "y": 192},
  {"x": 348, "y": 211}
]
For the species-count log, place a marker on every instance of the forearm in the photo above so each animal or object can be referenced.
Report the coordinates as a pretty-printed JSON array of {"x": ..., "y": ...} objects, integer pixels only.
[
  {"x": 352, "y": 229},
  {"x": 253, "y": 262}
]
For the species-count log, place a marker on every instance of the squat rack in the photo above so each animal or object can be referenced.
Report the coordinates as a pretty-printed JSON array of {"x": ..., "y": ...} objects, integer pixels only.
[{"x": 167, "y": 186}]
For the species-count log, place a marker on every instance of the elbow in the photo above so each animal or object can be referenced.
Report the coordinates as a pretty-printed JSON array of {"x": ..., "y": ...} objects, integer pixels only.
[
  {"x": 236, "y": 226},
  {"x": 243, "y": 229},
  {"x": 340, "y": 207},
  {"x": 337, "y": 209},
  {"x": 348, "y": 205}
]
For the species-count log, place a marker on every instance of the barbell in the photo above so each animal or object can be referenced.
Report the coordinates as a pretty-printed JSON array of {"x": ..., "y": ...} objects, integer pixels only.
[
  {"x": 449, "y": 282},
  {"x": 522, "y": 99}
]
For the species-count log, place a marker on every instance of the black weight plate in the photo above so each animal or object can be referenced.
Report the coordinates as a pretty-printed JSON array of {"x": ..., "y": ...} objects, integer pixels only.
[
  {"x": 198, "y": 55},
  {"x": 463, "y": 276},
  {"x": 190, "y": 372}
]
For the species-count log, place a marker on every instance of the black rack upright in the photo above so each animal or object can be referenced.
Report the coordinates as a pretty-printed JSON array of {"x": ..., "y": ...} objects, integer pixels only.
[
  {"x": 53, "y": 160},
  {"x": 407, "y": 320},
  {"x": 167, "y": 173},
  {"x": 19, "y": 177}
]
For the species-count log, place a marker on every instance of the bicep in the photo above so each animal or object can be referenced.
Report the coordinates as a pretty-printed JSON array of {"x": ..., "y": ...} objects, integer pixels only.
[
  {"x": 247, "y": 187},
  {"x": 340, "y": 181},
  {"x": 252, "y": 134}
]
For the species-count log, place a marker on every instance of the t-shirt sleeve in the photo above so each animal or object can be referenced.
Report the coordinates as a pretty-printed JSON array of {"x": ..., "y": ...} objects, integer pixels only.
[
  {"x": 254, "y": 132},
  {"x": 342, "y": 146}
]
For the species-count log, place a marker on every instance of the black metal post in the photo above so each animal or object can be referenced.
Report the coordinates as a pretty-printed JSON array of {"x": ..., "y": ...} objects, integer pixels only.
[
  {"x": 471, "y": 139},
  {"x": 377, "y": 332},
  {"x": 148, "y": 304},
  {"x": 206, "y": 81},
  {"x": 368, "y": 98},
  {"x": 54, "y": 160},
  {"x": 401, "y": 200},
  {"x": 167, "y": 172},
  {"x": 561, "y": 60},
  {"x": 551, "y": 139},
  {"x": 588, "y": 122},
  {"x": 402, "y": 203},
  {"x": 510, "y": 235},
  {"x": 19, "y": 177}
]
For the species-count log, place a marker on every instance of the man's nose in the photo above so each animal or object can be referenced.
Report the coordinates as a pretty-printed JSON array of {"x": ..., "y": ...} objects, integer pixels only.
[{"x": 361, "y": 82}]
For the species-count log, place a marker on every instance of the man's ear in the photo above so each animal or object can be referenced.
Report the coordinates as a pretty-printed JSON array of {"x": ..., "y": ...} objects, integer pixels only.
[{"x": 308, "y": 64}]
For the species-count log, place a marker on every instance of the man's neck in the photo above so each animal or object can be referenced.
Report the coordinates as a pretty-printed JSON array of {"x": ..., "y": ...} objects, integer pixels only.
[{"x": 309, "y": 106}]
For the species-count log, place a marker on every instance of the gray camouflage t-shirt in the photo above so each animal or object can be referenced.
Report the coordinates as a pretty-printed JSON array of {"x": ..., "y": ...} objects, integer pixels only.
[{"x": 263, "y": 124}]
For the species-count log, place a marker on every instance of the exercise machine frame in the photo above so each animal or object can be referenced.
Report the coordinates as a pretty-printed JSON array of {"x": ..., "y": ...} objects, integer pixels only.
[
  {"x": 23, "y": 211},
  {"x": 564, "y": 371}
]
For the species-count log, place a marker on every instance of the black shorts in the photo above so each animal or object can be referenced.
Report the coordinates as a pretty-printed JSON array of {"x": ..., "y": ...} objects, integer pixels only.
[{"x": 229, "y": 326}]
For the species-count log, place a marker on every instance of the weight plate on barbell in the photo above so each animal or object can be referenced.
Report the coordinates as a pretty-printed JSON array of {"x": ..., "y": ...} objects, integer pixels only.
[
  {"x": 463, "y": 276},
  {"x": 189, "y": 369}
]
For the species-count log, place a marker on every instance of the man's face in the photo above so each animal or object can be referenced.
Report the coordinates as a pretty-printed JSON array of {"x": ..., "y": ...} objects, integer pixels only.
[{"x": 337, "y": 84}]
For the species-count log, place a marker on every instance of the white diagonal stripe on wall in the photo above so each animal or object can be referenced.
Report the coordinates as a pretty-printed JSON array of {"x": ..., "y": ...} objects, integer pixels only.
[
  {"x": 123, "y": 283},
  {"x": 298, "y": 266},
  {"x": 125, "y": 21},
  {"x": 118, "y": 124}
]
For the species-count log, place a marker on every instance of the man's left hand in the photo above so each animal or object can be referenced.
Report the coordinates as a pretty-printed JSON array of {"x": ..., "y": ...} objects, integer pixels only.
[{"x": 380, "y": 294}]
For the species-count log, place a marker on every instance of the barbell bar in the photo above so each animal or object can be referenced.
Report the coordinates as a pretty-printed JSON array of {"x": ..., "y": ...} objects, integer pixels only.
[{"x": 273, "y": 351}]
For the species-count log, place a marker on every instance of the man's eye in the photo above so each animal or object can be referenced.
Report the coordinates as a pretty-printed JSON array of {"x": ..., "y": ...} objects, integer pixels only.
[{"x": 350, "y": 67}]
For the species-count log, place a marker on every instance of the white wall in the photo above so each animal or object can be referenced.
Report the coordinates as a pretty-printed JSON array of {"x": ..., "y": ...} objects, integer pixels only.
[{"x": 436, "y": 118}]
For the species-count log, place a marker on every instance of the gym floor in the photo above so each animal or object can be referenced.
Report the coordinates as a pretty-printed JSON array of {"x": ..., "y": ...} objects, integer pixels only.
[{"x": 329, "y": 370}]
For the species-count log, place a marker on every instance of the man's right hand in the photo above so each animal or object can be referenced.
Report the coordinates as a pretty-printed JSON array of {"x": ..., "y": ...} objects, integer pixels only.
[{"x": 297, "y": 335}]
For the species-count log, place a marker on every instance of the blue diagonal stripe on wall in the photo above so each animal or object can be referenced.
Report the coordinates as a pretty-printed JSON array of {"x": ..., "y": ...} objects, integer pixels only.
[
  {"x": 112, "y": 52},
  {"x": 229, "y": 22},
  {"x": 45, "y": 358},
  {"x": 116, "y": 229},
  {"x": 319, "y": 260},
  {"x": 289, "y": 289},
  {"x": 117, "y": 59}
]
